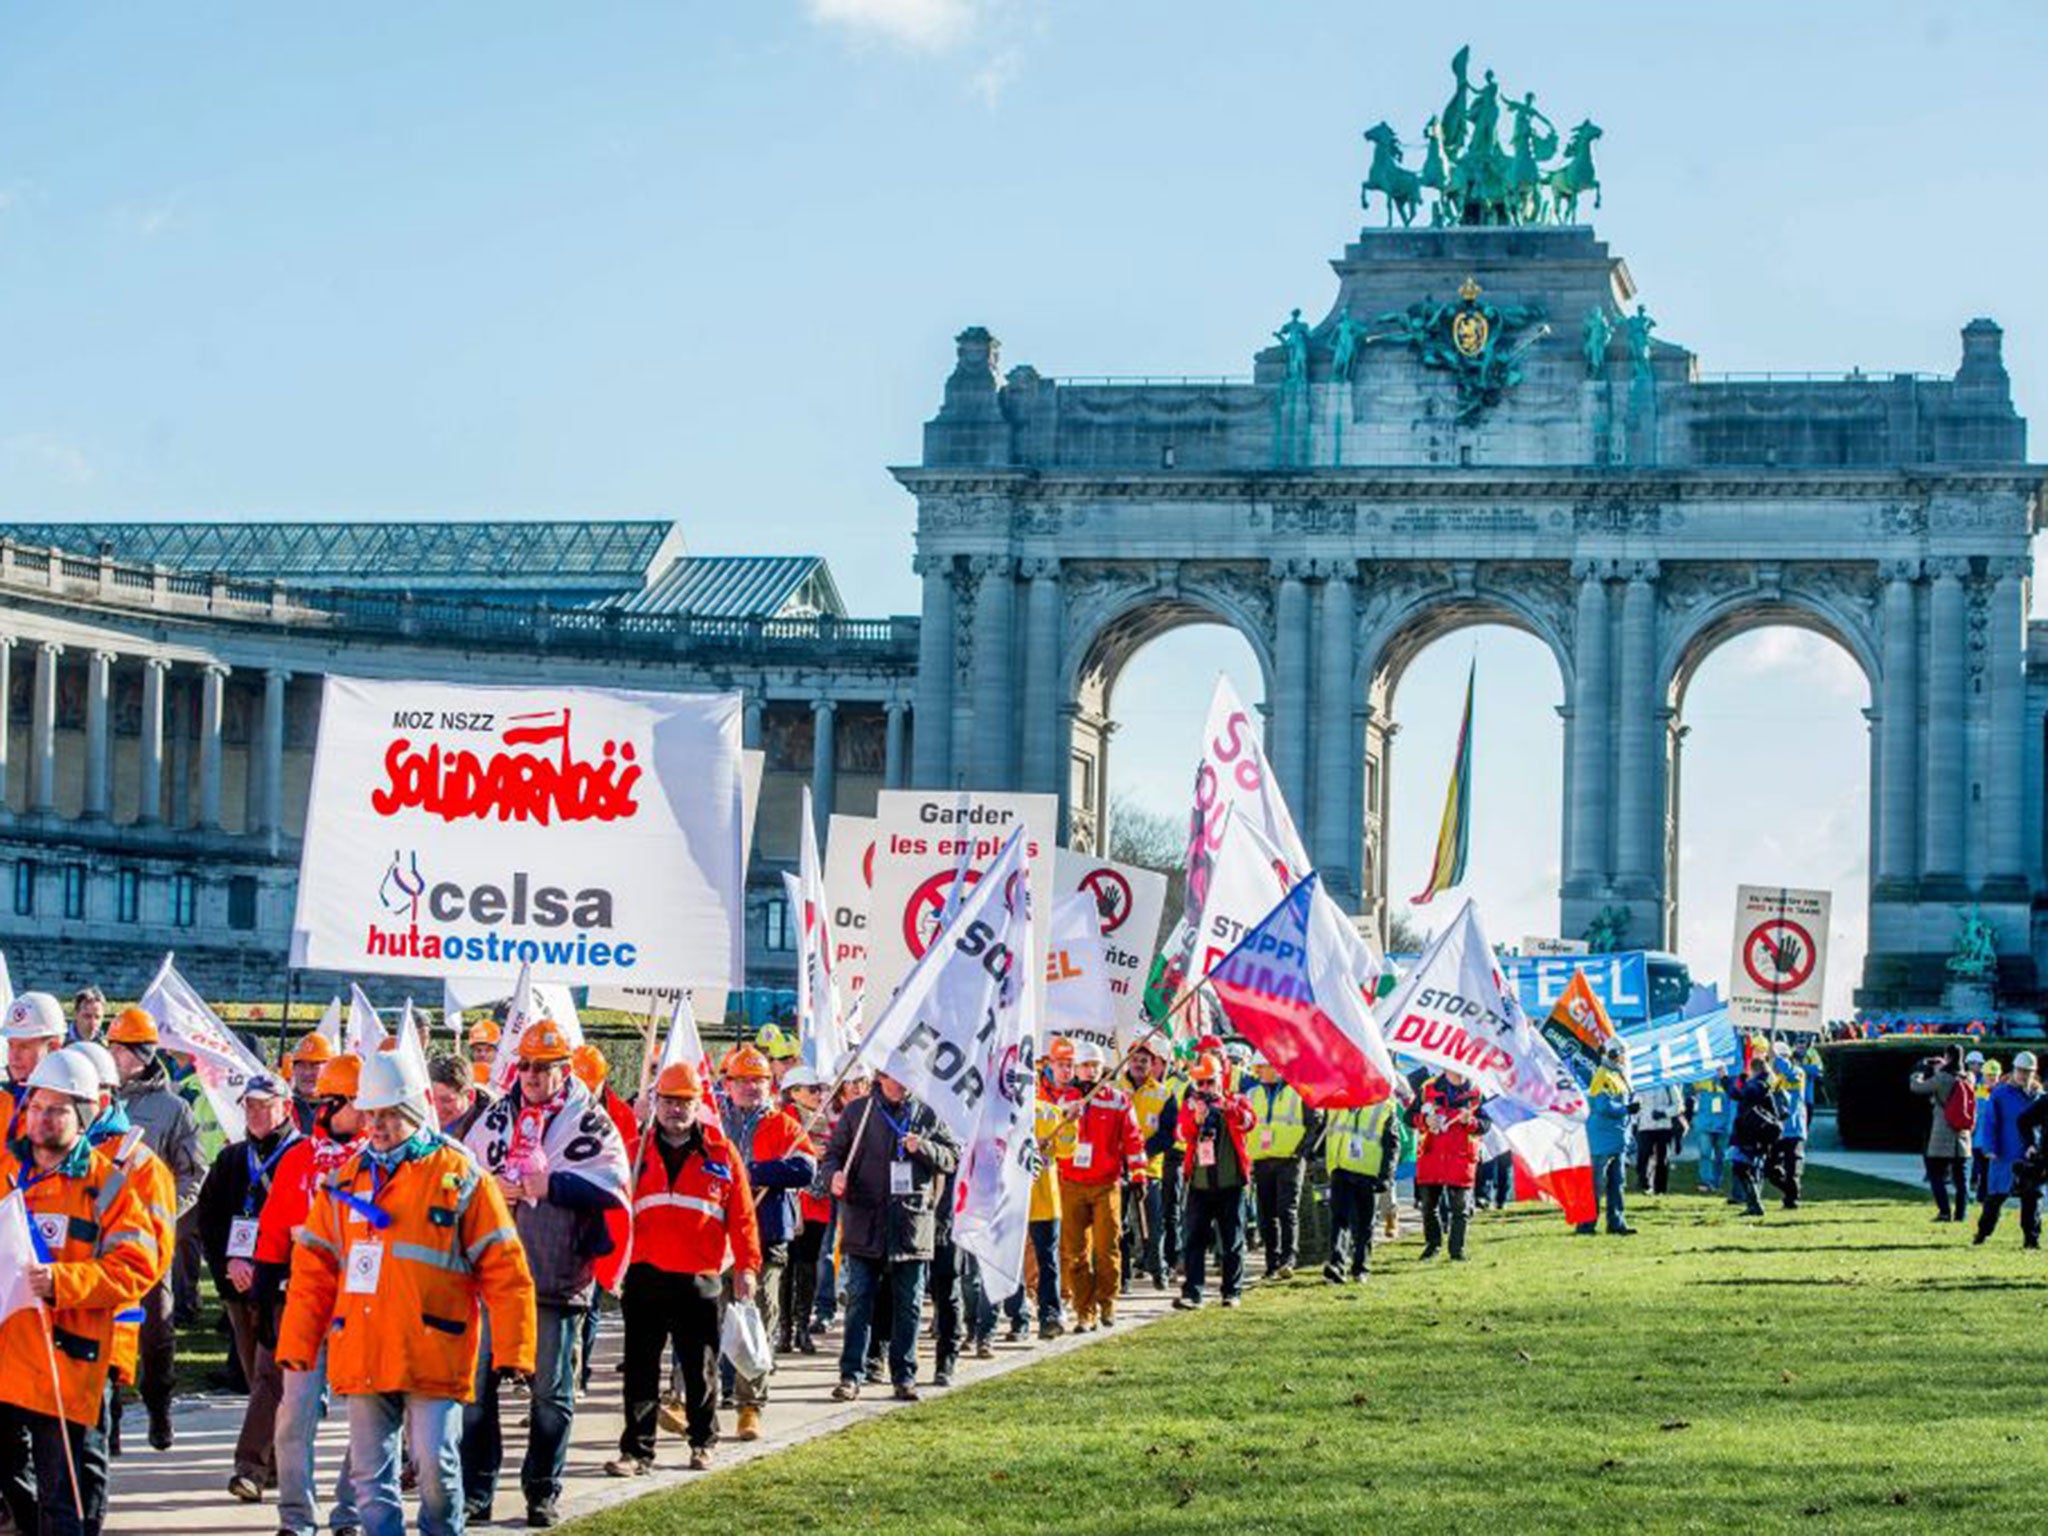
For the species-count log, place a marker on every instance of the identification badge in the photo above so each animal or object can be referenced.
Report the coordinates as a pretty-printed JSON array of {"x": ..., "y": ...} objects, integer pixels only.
[
  {"x": 899, "y": 1178},
  {"x": 242, "y": 1237},
  {"x": 365, "y": 1262},
  {"x": 1265, "y": 1141},
  {"x": 51, "y": 1224},
  {"x": 1205, "y": 1153},
  {"x": 1358, "y": 1149},
  {"x": 1084, "y": 1154}
]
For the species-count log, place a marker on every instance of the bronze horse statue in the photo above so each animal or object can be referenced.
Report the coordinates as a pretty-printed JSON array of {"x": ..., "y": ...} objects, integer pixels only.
[{"x": 1387, "y": 176}]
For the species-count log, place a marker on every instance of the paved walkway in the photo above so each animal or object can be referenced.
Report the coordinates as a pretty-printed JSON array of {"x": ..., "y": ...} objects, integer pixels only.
[
  {"x": 1824, "y": 1147},
  {"x": 185, "y": 1489}
]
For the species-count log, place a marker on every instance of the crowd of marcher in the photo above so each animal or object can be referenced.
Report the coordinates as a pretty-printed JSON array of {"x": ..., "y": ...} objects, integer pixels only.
[{"x": 394, "y": 1240}]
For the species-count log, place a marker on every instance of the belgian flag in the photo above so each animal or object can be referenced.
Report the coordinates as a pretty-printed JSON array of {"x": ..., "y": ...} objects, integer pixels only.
[{"x": 1454, "y": 836}]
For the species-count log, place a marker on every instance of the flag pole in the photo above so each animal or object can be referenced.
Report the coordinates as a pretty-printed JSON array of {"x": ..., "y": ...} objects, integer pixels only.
[{"x": 63, "y": 1424}]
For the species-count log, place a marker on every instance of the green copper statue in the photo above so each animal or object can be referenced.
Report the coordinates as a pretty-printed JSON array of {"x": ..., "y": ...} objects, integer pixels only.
[
  {"x": 1637, "y": 328},
  {"x": 1293, "y": 337},
  {"x": 1975, "y": 955},
  {"x": 1474, "y": 178},
  {"x": 1599, "y": 330},
  {"x": 1344, "y": 355}
]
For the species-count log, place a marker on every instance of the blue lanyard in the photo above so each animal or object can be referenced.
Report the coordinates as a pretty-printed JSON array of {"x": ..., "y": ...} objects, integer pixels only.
[
  {"x": 260, "y": 1171},
  {"x": 900, "y": 1127}
]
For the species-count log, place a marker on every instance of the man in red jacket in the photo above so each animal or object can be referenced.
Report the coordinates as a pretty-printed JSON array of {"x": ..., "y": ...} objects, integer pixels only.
[
  {"x": 1447, "y": 1113},
  {"x": 1213, "y": 1125},
  {"x": 690, "y": 1201},
  {"x": 1106, "y": 1150}
]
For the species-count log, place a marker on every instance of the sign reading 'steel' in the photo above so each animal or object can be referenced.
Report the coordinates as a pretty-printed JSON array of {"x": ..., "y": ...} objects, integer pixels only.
[{"x": 592, "y": 833}]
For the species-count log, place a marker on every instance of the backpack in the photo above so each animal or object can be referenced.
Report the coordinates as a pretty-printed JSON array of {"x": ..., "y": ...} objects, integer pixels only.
[
  {"x": 1959, "y": 1109},
  {"x": 1757, "y": 1127}
]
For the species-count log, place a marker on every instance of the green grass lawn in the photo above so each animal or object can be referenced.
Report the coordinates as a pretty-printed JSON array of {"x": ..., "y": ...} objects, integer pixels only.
[{"x": 1850, "y": 1365}]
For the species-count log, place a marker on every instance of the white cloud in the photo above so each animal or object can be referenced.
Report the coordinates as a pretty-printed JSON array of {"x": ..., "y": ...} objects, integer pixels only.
[
  {"x": 1817, "y": 659},
  {"x": 928, "y": 26},
  {"x": 993, "y": 78},
  {"x": 66, "y": 463}
]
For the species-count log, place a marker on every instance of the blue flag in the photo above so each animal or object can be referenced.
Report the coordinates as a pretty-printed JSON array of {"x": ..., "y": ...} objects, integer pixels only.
[{"x": 1682, "y": 1051}]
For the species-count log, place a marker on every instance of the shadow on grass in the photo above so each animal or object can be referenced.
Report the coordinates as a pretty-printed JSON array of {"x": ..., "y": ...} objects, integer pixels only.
[{"x": 1824, "y": 1248}]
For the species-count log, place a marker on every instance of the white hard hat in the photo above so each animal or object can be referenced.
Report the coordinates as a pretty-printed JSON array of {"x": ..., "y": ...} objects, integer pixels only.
[
  {"x": 34, "y": 1016},
  {"x": 101, "y": 1058},
  {"x": 67, "y": 1073},
  {"x": 1974, "y": 1059},
  {"x": 1087, "y": 1053},
  {"x": 389, "y": 1079},
  {"x": 802, "y": 1077},
  {"x": 2024, "y": 1062}
]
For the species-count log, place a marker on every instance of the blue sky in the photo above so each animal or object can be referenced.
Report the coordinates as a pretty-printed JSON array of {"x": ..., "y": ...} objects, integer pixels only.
[{"x": 704, "y": 260}]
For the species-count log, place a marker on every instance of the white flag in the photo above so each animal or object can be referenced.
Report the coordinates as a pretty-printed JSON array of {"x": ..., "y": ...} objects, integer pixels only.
[
  {"x": 17, "y": 1256},
  {"x": 186, "y": 1025},
  {"x": 6, "y": 985},
  {"x": 959, "y": 1035},
  {"x": 820, "y": 1031},
  {"x": 520, "y": 1014},
  {"x": 329, "y": 1027},
  {"x": 411, "y": 1046},
  {"x": 1077, "y": 1000},
  {"x": 1248, "y": 876},
  {"x": 1234, "y": 779},
  {"x": 364, "y": 1030}
]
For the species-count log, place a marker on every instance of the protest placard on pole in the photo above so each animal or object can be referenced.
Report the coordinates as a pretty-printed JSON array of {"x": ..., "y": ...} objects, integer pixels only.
[
  {"x": 849, "y": 883},
  {"x": 1780, "y": 967},
  {"x": 926, "y": 841},
  {"x": 594, "y": 834},
  {"x": 1129, "y": 902}
]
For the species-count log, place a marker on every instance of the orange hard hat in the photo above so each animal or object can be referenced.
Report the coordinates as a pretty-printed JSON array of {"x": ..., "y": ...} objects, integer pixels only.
[
  {"x": 483, "y": 1032},
  {"x": 679, "y": 1081},
  {"x": 480, "y": 1073},
  {"x": 339, "y": 1078},
  {"x": 134, "y": 1027},
  {"x": 1207, "y": 1069},
  {"x": 589, "y": 1065},
  {"x": 1061, "y": 1049},
  {"x": 745, "y": 1061},
  {"x": 543, "y": 1044},
  {"x": 315, "y": 1047}
]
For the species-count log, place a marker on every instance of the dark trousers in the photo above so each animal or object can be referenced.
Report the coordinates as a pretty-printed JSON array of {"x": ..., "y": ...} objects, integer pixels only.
[
  {"x": 1172, "y": 1197},
  {"x": 665, "y": 1311},
  {"x": 1496, "y": 1186},
  {"x": 1746, "y": 1171},
  {"x": 1653, "y": 1161},
  {"x": 800, "y": 1285},
  {"x": 862, "y": 1280},
  {"x": 36, "y": 1482},
  {"x": 158, "y": 1347},
  {"x": 1277, "y": 1183},
  {"x": 1445, "y": 1208},
  {"x": 1788, "y": 1162},
  {"x": 1353, "y": 1199},
  {"x": 1144, "y": 1232},
  {"x": 752, "y": 1391},
  {"x": 256, "y": 1446},
  {"x": 551, "y": 1412},
  {"x": 1217, "y": 1212},
  {"x": 1045, "y": 1247},
  {"x": 2030, "y": 1216},
  {"x": 946, "y": 1319},
  {"x": 1943, "y": 1174}
]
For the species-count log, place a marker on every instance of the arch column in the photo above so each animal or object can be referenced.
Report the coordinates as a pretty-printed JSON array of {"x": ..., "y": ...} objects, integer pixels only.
[
  {"x": 1947, "y": 656},
  {"x": 1337, "y": 826},
  {"x": 1041, "y": 753},
  {"x": 213, "y": 679},
  {"x": 2006, "y": 666},
  {"x": 43, "y": 731},
  {"x": 995, "y": 698},
  {"x": 1586, "y": 871},
  {"x": 824, "y": 762},
  {"x": 99, "y": 668},
  {"x": 1638, "y": 801},
  {"x": 1290, "y": 733},
  {"x": 1898, "y": 786},
  {"x": 149, "y": 791},
  {"x": 931, "y": 750},
  {"x": 892, "y": 742}
]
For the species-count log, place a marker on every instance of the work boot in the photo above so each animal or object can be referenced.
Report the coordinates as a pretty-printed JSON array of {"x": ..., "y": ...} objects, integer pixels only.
[
  {"x": 245, "y": 1488},
  {"x": 700, "y": 1458},
  {"x": 984, "y": 1349},
  {"x": 750, "y": 1423},
  {"x": 846, "y": 1391},
  {"x": 628, "y": 1466},
  {"x": 160, "y": 1437},
  {"x": 805, "y": 1344},
  {"x": 540, "y": 1514}
]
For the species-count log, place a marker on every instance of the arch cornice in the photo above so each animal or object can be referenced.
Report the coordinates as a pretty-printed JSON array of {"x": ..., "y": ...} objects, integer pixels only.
[
  {"x": 1112, "y": 609},
  {"x": 1828, "y": 598}
]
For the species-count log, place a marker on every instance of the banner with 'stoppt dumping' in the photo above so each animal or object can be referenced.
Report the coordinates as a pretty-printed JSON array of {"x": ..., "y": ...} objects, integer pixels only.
[{"x": 593, "y": 834}]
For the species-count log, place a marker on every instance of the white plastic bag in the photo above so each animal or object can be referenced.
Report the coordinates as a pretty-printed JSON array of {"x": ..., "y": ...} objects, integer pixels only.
[{"x": 743, "y": 1339}]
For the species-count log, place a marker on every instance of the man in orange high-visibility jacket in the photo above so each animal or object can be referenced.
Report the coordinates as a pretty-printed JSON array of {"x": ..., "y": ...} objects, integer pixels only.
[
  {"x": 691, "y": 1201},
  {"x": 101, "y": 1259},
  {"x": 402, "y": 1243},
  {"x": 1105, "y": 1152}
]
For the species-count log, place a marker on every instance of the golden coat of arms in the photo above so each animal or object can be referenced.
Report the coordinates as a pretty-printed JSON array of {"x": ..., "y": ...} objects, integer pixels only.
[{"x": 1469, "y": 331}]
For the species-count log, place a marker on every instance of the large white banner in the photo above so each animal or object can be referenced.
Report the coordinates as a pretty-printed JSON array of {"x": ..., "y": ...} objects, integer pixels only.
[
  {"x": 1129, "y": 901},
  {"x": 1781, "y": 957},
  {"x": 457, "y": 830},
  {"x": 1077, "y": 1001},
  {"x": 960, "y": 1036},
  {"x": 926, "y": 841},
  {"x": 849, "y": 877},
  {"x": 1234, "y": 780}
]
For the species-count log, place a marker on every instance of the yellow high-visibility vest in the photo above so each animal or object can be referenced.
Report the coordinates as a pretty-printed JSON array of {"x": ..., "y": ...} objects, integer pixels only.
[{"x": 1278, "y": 1124}]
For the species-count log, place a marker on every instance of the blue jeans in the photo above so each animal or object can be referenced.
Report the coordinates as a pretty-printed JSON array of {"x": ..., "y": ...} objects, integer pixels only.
[
  {"x": 552, "y": 1407},
  {"x": 982, "y": 1308},
  {"x": 1045, "y": 1245},
  {"x": 862, "y": 1277},
  {"x": 826, "y": 1302},
  {"x": 1609, "y": 1171},
  {"x": 1713, "y": 1159},
  {"x": 300, "y": 1407},
  {"x": 433, "y": 1425}
]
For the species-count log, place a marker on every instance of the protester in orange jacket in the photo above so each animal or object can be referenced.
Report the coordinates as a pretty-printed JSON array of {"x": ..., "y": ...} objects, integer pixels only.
[
  {"x": 1213, "y": 1124},
  {"x": 101, "y": 1257},
  {"x": 691, "y": 1202},
  {"x": 403, "y": 1243},
  {"x": 1105, "y": 1152}
]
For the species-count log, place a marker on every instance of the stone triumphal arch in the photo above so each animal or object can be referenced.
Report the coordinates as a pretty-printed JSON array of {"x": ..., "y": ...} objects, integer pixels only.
[{"x": 1483, "y": 427}]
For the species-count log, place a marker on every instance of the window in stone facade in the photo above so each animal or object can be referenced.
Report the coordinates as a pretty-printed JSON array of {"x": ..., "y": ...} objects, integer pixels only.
[
  {"x": 74, "y": 891},
  {"x": 128, "y": 896},
  {"x": 24, "y": 887},
  {"x": 775, "y": 931},
  {"x": 184, "y": 900},
  {"x": 242, "y": 902}
]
